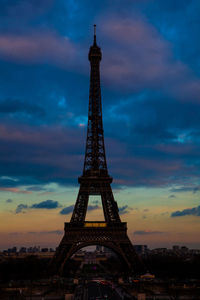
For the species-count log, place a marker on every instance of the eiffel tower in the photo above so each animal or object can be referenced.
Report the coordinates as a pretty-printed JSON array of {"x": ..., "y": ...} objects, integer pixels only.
[{"x": 95, "y": 180}]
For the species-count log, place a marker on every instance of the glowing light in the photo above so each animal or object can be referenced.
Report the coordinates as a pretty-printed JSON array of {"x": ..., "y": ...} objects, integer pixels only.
[{"x": 95, "y": 224}]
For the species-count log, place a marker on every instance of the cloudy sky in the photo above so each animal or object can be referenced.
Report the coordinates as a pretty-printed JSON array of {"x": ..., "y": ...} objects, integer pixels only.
[{"x": 151, "y": 111}]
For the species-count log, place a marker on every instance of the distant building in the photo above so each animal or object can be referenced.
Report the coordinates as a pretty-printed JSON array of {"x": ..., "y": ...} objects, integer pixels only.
[
  {"x": 195, "y": 251},
  {"x": 44, "y": 250},
  {"x": 23, "y": 250},
  {"x": 184, "y": 249},
  {"x": 161, "y": 251},
  {"x": 12, "y": 250},
  {"x": 175, "y": 248},
  {"x": 141, "y": 249}
]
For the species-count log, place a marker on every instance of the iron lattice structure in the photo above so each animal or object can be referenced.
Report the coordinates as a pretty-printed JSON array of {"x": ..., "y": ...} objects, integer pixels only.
[{"x": 95, "y": 180}]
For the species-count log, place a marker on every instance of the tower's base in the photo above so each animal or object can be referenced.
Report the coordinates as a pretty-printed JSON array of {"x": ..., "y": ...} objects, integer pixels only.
[{"x": 113, "y": 236}]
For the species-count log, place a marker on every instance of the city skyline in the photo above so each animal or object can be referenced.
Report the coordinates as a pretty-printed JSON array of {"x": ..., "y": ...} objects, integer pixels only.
[{"x": 150, "y": 95}]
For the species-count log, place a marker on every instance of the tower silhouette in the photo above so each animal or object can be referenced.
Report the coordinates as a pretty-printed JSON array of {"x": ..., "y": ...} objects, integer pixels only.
[{"x": 95, "y": 180}]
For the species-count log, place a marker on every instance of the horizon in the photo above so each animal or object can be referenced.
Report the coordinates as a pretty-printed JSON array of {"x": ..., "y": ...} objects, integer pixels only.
[{"x": 83, "y": 249}]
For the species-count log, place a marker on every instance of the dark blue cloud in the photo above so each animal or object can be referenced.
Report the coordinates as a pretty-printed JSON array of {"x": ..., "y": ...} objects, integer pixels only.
[
  {"x": 124, "y": 209},
  {"x": 6, "y": 181},
  {"x": 92, "y": 207},
  {"x": 11, "y": 106},
  {"x": 96, "y": 202},
  {"x": 48, "y": 204},
  {"x": 193, "y": 189},
  {"x": 20, "y": 208},
  {"x": 67, "y": 210},
  {"x": 36, "y": 188},
  {"x": 195, "y": 211},
  {"x": 38, "y": 232},
  {"x": 28, "y": 148},
  {"x": 143, "y": 232},
  {"x": 46, "y": 232},
  {"x": 9, "y": 201}
]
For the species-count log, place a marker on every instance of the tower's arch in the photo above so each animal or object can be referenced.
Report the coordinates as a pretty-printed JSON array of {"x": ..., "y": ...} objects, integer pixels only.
[{"x": 81, "y": 245}]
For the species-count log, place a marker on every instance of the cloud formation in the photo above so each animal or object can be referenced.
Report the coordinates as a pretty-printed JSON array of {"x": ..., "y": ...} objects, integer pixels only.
[
  {"x": 195, "y": 211},
  {"x": 183, "y": 189},
  {"x": 9, "y": 201},
  {"x": 37, "y": 48},
  {"x": 134, "y": 37},
  {"x": 69, "y": 209},
  {"x": 48, "y": 204},
  {"x": 124, "y": 209},
  {"x": 11, "y": 106},
  {"x": 14, "y": 190},
  {"x": 92, "y": 207},
  {"x": 147, "y": 232},
  {"x": 20, "y": 208},
  {"x": 47, "y": 232},
  {"x": 26, "y": 146}
]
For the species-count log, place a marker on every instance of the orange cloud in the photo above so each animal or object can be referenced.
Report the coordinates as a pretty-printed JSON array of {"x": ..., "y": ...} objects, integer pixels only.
[{"x": 14, "y": 190}]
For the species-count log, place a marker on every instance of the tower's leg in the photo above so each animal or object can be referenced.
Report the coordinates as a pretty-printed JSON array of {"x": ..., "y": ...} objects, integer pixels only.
[
  {"x": 109, "y": 204},
  {"x": 80, "y": 208}
]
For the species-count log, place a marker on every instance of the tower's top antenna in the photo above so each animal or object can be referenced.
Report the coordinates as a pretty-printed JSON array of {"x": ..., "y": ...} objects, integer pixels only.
[
  {"x": 95, "y": 51},
  {"x": 95, "y": 34}
]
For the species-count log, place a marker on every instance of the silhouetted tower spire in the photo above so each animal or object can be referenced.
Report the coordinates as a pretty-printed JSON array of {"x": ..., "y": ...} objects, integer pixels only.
[
  {"x": 94, "y": 35},
  {"x": 95, "y": 158}
]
